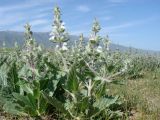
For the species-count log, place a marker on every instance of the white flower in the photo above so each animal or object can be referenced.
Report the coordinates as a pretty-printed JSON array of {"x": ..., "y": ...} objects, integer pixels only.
[
  {"x": 63, "y": 27},
  {"x": 52, "y": 38},
  {"x": 107, "y": 48},
  {"x": 57, "y": 46},
  {"x": 39, "y": 48},
  {"x": 99, "y": 49},
  {"x": 54, "y": 27},
  {"x": 64, "y": 46},
  {"x": 92, "y": 39}
]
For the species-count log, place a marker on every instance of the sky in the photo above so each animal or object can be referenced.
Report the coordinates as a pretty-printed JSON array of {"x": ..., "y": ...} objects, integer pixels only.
[{"x": 133, "y": 23}]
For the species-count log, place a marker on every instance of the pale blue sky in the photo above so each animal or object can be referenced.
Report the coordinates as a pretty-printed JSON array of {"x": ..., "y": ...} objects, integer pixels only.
[{"x": 133, "y": 23}]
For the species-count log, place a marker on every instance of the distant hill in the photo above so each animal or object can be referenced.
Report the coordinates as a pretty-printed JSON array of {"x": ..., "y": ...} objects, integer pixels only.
[{"x": 10, "y": 37}]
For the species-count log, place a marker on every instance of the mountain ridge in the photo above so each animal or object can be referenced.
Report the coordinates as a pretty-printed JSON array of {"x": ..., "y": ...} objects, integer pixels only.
[{"x": 10, "y": 37}]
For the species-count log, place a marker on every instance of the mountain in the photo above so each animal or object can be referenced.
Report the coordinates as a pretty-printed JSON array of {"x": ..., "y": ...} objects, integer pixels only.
[{"x": 10, "y": 37}]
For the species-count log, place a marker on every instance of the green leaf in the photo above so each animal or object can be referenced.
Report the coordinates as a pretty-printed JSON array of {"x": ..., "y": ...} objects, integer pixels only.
[
  {"x": 83, "y": 104},
  {"x": 100, "y": 90},
  {"x": 25, "y": 87},
  {"x": 43, "y": 104},
  {"x": 53, "y": 101},
  {"x": 22, "y": 98},
  {"x": 105, "y": 102},
  {"x": 36, "y": 90},
  {"x": 72, "y": 81},
  {"x": 32, "y": 101},
  {"x": 12, "y": 108}
]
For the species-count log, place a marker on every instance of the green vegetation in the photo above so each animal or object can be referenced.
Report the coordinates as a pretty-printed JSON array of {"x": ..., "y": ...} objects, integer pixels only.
[{"x": 80, "y": 82}]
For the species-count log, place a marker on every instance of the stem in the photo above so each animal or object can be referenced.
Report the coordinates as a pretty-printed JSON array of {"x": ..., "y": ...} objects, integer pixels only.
[{"x": 89, "y": 87}]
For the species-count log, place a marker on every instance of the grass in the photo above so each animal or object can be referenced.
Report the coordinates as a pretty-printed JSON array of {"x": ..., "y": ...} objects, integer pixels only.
[{"x": 141, "y": 96}]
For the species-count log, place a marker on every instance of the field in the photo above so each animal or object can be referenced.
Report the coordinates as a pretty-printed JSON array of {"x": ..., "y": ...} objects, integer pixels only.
[
  {"x": 78, "y": 82},
  {"x": 141, "y": 97}
]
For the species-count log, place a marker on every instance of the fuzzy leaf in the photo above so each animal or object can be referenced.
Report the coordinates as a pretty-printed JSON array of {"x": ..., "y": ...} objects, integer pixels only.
[
  {"x": 72, "y": 83},
  {"x": 53, "y": 101},
  {"x": 12, "y": 108}
]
